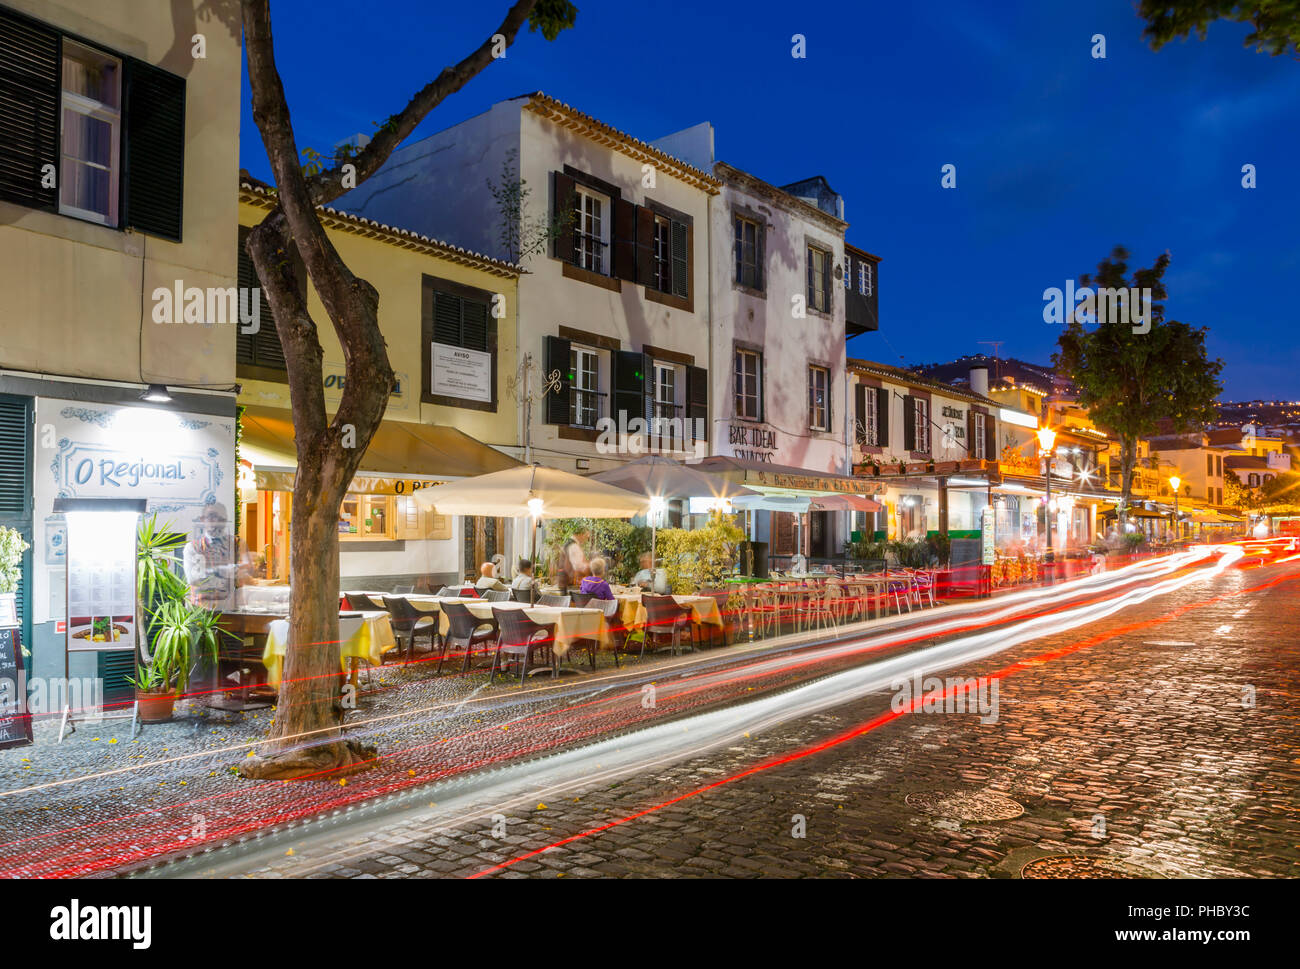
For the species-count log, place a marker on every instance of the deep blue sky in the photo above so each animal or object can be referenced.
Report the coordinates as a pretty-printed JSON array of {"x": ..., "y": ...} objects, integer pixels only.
[{"x": 1059, "y": 156}]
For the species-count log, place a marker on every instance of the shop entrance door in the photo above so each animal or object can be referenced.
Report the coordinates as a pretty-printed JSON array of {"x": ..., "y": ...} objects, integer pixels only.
[{"x": 484, "y": 538}]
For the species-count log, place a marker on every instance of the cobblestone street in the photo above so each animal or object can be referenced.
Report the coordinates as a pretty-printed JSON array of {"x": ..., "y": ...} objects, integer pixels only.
[{"x": 1160, "y": 749}]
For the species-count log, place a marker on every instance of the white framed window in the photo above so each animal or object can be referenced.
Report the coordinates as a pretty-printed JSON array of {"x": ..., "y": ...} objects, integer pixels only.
[
  {"x": 749, "y": 253},
  {"x": 663, "y": 255},
  {"x": 819, "y": 279},
  {"x": 591, "y": 230},
  {"x": 665, "y": 404},
  {"x": 749, "y": 384},
  {"x": 865, "y": 281},
  {"x": 848, "y": 271},
  {"x": 92, "y": 134},
  {"x": 585, "y": 395},
  {"x": 977, "y": 447},
  {"x": 819, "y": 397},
  {"x": 922, "y": 425},
  {"x": 870, "y": 422}
]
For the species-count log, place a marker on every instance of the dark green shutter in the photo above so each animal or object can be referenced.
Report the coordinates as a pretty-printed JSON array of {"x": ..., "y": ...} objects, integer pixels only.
[
  {"x": 645, "y": 247},
  {"x": 30, "y": 67},
  {"x": 623, "y": 250},
  {"x": 563, "y": 200},
  {"x": 909, "y": 423},
  {"x": 990, "y": 439},
  {"x": 697, "y": 401},
  {"x": 15, "y": 491},
  {"x": 882, "y": 417},
  {"x": 153, "y": 150},
  {"x": 474, "y": 325},
  {"x": 260, "y": 349},
  {"x": 681, "y": 261},
  {"x": 460, "y": 322},
  {"x": 630, "y": 382},
  {"x": 557, "y": 401}
]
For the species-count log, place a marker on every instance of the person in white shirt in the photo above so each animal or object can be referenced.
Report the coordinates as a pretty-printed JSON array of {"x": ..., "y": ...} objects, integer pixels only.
[
  {"x": 799, "y": 565},
  {"x": 523, "y": 575},
  {"x": 487, "y": 578}
]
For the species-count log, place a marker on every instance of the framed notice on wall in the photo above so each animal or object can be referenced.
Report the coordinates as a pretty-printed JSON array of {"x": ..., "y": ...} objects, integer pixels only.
[
  {"x": 15, "y": 721},
  {"x": 457, "y": 372}
]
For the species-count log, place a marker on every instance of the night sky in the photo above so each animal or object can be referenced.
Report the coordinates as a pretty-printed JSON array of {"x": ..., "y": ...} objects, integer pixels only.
[{"x": 1059, "y": 156}]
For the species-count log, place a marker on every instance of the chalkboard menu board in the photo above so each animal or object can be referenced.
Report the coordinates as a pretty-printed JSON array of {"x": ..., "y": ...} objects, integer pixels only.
[{"x": 15, "y": 723}]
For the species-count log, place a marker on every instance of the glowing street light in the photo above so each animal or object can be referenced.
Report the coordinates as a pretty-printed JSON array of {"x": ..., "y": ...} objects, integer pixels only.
[
  {"x": 1046, "y": 439},
  {"x": 1175, "y": 482}
]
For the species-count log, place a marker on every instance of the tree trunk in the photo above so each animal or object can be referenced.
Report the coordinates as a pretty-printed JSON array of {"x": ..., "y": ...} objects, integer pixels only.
[
  {"x": 306, "y": 739},
  {"x": 1127, "y": 459}
]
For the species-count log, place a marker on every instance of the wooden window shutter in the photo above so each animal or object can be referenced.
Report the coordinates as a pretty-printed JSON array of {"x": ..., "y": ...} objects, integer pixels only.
[
  {"x": 624, "y": 248},
  {"x": 153, "y": 150},
  {"x": 630, "y": 369},
  {"x": 563, "y": 200},
  {"x": 909, "y": 423},
  {"x": 990, "y": 439},
  {"x": 30, "y": 66},
  {"x": 882, "y": 417},
  {"x": 557, "y": 401},
  {"x": 15, "y": 420},
  {"x": 681, "y": 261},
  {"x": 447, "y": 319},
  {"x": 697, "y": 402},
  {"x": 970, "y": 432},
  {"x": 645, "y": 246},
  {"x": 260, "y": 349}
]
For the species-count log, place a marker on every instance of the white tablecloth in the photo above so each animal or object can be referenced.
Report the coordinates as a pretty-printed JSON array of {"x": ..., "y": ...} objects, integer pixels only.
[{"x": 366, "y": 638}]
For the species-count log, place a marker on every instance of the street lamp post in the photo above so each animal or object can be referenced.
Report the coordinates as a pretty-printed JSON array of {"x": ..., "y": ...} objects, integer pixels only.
[
  {"x": 1046, "y": 438},
  {"x": 1175, "y": 482}
]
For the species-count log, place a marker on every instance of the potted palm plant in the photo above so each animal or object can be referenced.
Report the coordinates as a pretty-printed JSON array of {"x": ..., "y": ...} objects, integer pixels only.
[
  {"x": 176, "y": 633},
  {"x": 12, "y": 547},
  {"x": 181, "y": 634}
]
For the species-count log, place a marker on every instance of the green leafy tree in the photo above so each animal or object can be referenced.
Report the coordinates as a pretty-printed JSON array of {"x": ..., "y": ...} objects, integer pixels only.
[
  {"x": 1238, "y": 495},
  {"x": 521, "y": 233},
  {"x": 1130, "y": 381},
  {"x": 330, "y": 450},
  {"x": 1276, "y": 22}
]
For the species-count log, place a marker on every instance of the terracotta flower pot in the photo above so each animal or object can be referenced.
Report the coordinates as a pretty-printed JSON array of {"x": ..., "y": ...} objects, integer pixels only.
[{"x": 155, "y": 707}]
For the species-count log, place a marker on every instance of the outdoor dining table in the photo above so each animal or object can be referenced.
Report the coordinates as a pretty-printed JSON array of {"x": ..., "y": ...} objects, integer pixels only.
[
  {"x": 372, "y": 638},
  {"x": 876, "y": 583},
  {"x": 571, "y": 622},
  {"x": 423, "y": 600},
  {"x": 704, "y": 610}
]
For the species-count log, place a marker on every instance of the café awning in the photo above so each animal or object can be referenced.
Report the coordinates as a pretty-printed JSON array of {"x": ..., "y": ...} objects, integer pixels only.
[
  {"x": 402, "y": 457},
  {"x": 776, "y": 479}
]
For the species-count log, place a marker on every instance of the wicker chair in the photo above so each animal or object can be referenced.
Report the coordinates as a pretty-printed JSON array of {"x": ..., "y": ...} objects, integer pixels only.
[
  {"x": 723, "y": 598},
  {"x": 665, "y": 618},
  {"x": 358, "y": 602},
  {"x": 519, "y": 637},
  {"x": 411, "y": 623},
  {"x": 465, "y": 630},
  {"x": 558, "y": 601},
  {"x": 524, "y": 595},
  {"x": 497, "y": 595}
]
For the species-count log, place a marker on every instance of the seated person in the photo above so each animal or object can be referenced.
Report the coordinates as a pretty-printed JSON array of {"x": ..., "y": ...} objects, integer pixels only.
[
  {"x": 594, "y": 585},
  {"x": 798, "y": 564},
  {"x": 487, "y": 578},
  {"x": 523, "y": 576},
  {"x": 650, "y": 579}
]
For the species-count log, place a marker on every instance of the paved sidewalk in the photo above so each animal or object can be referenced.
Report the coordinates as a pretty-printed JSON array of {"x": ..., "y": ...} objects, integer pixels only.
[{"x": 1136, "y": 752}]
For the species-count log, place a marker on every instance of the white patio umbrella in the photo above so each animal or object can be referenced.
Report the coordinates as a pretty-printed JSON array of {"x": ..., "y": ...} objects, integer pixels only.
[
  {"x": 534, "y": 491},
  {"x": 660, "y": 478}
]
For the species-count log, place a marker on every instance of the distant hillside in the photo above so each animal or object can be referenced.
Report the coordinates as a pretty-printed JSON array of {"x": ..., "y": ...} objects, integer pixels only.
[{"x": 957, "y": 372}]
